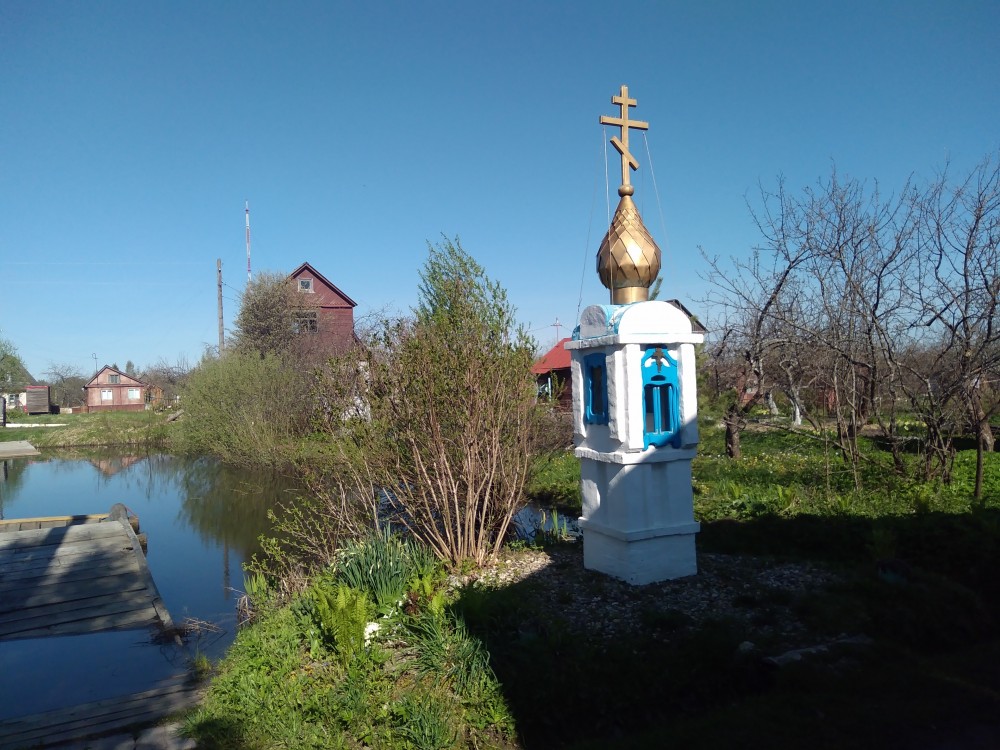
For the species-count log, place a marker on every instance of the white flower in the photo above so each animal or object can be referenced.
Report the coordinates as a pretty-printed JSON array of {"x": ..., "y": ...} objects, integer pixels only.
[{"x": 370, "y": 630}]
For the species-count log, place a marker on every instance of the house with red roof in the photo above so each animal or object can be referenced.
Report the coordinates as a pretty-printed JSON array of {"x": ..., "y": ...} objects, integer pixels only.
[{"x": 552, "y": 373}]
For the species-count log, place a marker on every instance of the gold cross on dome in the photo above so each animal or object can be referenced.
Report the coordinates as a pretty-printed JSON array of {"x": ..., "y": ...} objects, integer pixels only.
[{"x": 624, "y": 123}]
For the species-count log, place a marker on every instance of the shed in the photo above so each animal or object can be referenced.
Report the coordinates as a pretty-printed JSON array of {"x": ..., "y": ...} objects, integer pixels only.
[
  {"x": 552, "y": 373},
  {"x": 37, "y": 399}
]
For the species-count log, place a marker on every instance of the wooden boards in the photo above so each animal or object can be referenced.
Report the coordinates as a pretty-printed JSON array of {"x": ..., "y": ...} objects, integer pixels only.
[
  {"x": 79, "y": 578},
  {"x": 101, "y": 718},
  {"x": 54, "y": 522},
  {"x": 17, "y": 448}
]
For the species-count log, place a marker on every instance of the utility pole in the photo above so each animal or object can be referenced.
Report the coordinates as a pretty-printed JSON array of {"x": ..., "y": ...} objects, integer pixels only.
[
  {"x": 248, "y": 240},
  {"x": 222, "y": 339}
]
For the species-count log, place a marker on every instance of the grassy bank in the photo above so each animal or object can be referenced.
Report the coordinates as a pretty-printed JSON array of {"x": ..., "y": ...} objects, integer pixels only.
[
  {"x": 370, "y": 655},
  {"x": 823, "y": 615},
  {"x": 146, "y": 429}
]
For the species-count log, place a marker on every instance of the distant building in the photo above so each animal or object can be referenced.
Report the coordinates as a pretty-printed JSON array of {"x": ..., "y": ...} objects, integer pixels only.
[
  {"x": 696, "y": 326},
  {"x": 14, "y": 400},
  {"x": 552, "y": 373},
  {"x": 13, "y": 388},
  {"x": 326, "y": 314},
  {"x": 37, "y": 399},
  {"x": 112, "y": 390}
]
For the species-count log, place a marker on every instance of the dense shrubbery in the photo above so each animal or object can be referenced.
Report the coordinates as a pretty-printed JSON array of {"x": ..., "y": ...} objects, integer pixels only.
[
  {"x": 444, "y": 423},
  {"x": 247, "y": 409}
]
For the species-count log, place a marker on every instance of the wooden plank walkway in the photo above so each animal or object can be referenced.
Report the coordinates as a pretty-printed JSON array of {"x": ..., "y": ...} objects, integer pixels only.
[
  {"x": 17, "y": 449},
  {"x": 83, "y": 576},
  {"x": 55, "y": 522},
  {"x": 101, "y": 718}
]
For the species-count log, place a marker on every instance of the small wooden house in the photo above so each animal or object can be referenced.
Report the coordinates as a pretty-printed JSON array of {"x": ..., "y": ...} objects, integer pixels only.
[
  {"x": 325, "y": 318},
  {"x": 113, "y": 390},
  {"x": 552, "y": 373}
]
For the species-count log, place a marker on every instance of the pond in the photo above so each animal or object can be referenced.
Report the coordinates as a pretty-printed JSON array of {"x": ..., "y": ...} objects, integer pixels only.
[{"x": 202, "y": 520}]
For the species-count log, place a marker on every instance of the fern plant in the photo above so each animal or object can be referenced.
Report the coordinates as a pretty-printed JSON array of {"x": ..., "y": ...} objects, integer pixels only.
[{"x": 342, "y": 614}]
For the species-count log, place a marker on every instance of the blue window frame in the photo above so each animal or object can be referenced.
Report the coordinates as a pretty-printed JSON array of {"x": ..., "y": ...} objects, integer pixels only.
[
  {"x": 595, "y": 389},
  {"x": 660, "y": 391}
]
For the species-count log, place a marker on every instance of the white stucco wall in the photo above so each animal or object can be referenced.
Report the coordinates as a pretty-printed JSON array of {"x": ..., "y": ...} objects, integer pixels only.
[{"x": 637, "y": 516}]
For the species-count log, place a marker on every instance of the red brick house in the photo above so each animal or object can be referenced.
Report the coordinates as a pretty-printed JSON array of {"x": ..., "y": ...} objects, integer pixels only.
[
  {"x": 552, "y": 373},
  {"x": 331, "y": 321},
  {"x": 113, "y": 390}
]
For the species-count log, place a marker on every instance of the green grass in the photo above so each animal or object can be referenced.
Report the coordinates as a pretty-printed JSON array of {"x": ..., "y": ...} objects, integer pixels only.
[
  {"x": 791, "y": 496},
  {"x": 109, "y": 428},
  {"x": 315, "y": 674},
  {"x": 506, "y": 666},
  {"x": 555, "y": 482}
]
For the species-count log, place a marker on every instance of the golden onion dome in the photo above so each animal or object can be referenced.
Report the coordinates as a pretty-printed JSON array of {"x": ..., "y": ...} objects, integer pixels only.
[{"x": 629, "y": 259}]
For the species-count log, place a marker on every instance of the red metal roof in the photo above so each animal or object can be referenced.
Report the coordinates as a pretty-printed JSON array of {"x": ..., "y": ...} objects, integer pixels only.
[{"x": 556, "y": 358}]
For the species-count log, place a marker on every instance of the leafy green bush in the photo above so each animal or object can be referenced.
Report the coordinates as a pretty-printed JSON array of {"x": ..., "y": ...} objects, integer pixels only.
[
  {"x": 232, "y": 410},
  {"x": 452, "y": 420}
]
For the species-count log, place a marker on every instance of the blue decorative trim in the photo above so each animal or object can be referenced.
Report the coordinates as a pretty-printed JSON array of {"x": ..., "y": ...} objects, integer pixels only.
[
  {"x": 595, "y": 389},
  {"x": 660, "y": 397}
]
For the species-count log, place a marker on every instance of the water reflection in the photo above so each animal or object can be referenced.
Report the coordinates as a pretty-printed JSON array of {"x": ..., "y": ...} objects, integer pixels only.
[
  {"x": 227, "y": 505},
  {"x": 202, "y": 520}
]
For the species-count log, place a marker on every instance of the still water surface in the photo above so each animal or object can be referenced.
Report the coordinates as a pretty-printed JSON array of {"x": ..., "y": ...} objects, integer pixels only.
[{"x": 202, "y": 520}]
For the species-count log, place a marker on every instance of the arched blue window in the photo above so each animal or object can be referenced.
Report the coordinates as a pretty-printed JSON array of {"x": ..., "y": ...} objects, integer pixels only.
[
  {"x": 595, "y": 389},
  {"x": 660, "y": 392}
]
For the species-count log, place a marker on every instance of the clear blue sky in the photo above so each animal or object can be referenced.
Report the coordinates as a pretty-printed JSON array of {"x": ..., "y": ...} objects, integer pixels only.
[{"x": 132, "y": 133}]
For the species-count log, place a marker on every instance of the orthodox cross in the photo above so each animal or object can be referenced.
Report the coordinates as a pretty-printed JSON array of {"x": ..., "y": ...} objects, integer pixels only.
[
  {"x": 624, "y": 123},
  {"x": 658, "y": 356}
]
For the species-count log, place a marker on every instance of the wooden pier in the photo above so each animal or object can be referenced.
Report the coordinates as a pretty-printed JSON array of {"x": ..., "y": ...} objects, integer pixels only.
[
  {"x": 17, "y": 449},
  {"x": 102, "y": 719},
  {"x": 70, "y": 575}
]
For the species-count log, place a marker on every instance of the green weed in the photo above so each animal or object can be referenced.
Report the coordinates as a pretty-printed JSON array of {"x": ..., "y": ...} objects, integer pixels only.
[
  {"x": 384, "y": 565},
  {"x": 423, "y": 722},
  {"x": 447, "y": 652}
]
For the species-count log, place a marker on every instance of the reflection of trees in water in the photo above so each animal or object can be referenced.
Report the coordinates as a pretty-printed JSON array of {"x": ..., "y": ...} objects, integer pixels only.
[
  {"x": 11, "y": 478},
  {"x": 230, "y": 505},
  {"x": 224, "y": 506}
]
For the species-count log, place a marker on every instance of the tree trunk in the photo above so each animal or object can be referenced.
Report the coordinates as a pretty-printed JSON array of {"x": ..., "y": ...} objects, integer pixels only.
[
  {"x": 984, "y": 444},
  {"x": 735, "y": 423},
  {"x": 772, "y": 407},
  {"x": 977, "y": 493}
]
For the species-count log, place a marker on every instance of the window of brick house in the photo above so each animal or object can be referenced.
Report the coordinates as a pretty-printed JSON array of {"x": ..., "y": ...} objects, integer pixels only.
[
  {"x": 305, "y": 322},
  {"x": 306, "y": 285},
  {"x": 113, "y": 379}
]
